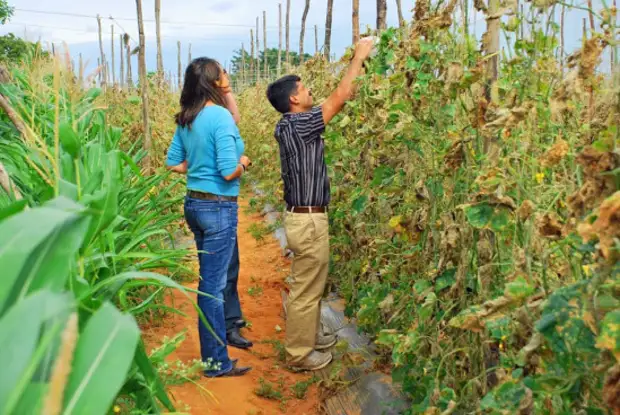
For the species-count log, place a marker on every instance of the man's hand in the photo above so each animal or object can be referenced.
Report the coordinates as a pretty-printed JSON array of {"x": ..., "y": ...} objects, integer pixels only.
[
  {"x": 364, "y": 47},
  {"x": 334, "y": 104}
]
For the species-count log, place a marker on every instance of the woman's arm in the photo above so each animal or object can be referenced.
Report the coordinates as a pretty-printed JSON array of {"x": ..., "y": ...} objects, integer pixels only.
[
  {"x": 179, "y": 168},
  {"x": 231, "y": 104}
]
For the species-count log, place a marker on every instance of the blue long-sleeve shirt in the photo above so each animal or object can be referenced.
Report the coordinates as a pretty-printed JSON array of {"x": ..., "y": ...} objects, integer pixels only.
[{"x": 212, "y": 148}]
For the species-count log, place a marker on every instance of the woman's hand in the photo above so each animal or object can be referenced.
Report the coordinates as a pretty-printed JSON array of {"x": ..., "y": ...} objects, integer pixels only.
[
  {"x": 179, "y": 168},
  {"x": 245, "y": 161}
]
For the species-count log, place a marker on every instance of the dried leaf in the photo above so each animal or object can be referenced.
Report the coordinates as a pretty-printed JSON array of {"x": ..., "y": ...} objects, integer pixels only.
[{"x": 556, "y": 153}]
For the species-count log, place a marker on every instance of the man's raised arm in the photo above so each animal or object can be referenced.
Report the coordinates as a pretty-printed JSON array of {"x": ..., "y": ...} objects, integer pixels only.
[{"x": 334, "y": 104}]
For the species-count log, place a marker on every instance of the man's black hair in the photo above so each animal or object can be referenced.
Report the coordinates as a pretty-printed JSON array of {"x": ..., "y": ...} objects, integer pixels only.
[{"x": 280, "y": 92}]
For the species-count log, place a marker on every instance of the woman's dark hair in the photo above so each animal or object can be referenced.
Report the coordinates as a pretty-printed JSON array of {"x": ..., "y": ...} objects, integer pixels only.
[
  {"x": 279, "y": 92},
  {"x": 199, "y": 87}
]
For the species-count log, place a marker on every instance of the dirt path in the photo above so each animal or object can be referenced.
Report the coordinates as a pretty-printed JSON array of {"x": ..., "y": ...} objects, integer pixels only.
[{"x": 263, "y": 270}]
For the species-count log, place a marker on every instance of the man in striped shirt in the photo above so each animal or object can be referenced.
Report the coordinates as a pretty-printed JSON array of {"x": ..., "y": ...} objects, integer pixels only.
[{"x": 307, "y": 195}]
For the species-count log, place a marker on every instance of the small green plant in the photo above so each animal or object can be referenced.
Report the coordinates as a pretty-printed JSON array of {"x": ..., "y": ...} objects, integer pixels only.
[
  {"x": 300, "y": 389},
  {"x": 268, "y": 390},
  {"x": 278, "y": 347},
  {"x": 255, "y": 291},
  {"x": 259, "y": 230}
]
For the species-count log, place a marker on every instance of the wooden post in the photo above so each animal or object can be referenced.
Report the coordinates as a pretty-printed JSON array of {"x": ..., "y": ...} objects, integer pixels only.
[
  {"x": 328, "y": 28},
  {"x": 144, "y": 88},
  {"x": 258, "y": 60},
  {"x": 288, "y": 32},
  {"x": 243, "y": 63},
  {"x": 179, "y": 67},
  {"x": 122, "y": 53},
  {"x": 251, "y": 53},
  {"x": 356, "y": 21},
  {"x": 265, "y": 54},
  {"x": 81, "y": 73},
  {"x": 189, "y": 54},
  {"x": 102, "y": 58},
  {"x": 316, "y": 40},
  {"x": 128, "y": 62},
  {"x": 401, "y": 18},
  {"x": 562, "y": 44},
  {"x": 302, "y": 35},
  {"x": 160, "y": 58},
  {"x": 381, "y": 14},
  {"x": 279, "y": 40},
  {"x": 113, "y": 58}
]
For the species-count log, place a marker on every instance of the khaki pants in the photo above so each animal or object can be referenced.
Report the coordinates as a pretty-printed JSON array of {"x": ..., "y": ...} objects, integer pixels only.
[{"x": 307, "y": 236}]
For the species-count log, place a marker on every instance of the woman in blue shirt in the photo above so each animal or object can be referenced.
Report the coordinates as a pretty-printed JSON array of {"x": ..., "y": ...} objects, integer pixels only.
[{"x": 208, "y": 148}]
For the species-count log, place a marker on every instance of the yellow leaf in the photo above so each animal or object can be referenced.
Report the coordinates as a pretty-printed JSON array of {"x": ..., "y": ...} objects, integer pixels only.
[{"x": 395, "y": 221}]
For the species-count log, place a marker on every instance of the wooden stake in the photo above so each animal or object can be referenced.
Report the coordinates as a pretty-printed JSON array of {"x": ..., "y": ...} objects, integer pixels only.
[
  {"x": 302, "y": 35},
  {"x": 179, "y": 67},
  {"x": 401, "y": 18},
  {"x": 265, "y": 57},
  {"x": 81, "y": 71},
  {"x": 113, "y": 58},
  {"x": 144, "y": 88},
  {"x": 316, "y": 40},
  {"x": 381, "y": 15},
  {"x": 288, "y": 32},
  {"x": 252, "y": 60},
  {"x": 328, "y": 28},
  {"x": 562, "y": 44},
  {"x": 122, "y": 53},
  {"x": 279, "y": 39},
  {"x": 189, "y": 54},
  {"x": 160, "y": 58},
  {"x": 128, "y": 61},
  {"x": 102, "y": 59},
  {"x": 258, "y": 60},
  {"x": 356, "y": 21},
  {"x": 243, "y": 63}
]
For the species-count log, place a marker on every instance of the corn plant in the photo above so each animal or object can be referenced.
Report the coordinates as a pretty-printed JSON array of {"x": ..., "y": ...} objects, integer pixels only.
[{"x": 77, "y": 250}]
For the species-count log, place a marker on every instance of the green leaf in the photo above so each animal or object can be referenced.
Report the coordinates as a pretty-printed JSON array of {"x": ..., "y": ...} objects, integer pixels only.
[
  {"x": 102, "y": 359},
  {"x": 13, "y": 209},
  {"x": 151, "y": 377},
  {"x": 500, "y": 219},
  {"x": 37, "y": 248},
  {"x": 520, "y": 288},
  {"x": 19, "y": 332},
  {"x": 69, "y": 139},
  {"x": 478, "y": 215},
  {"x": 359, "y": 204},
  {"x": 610, "y": 334}
]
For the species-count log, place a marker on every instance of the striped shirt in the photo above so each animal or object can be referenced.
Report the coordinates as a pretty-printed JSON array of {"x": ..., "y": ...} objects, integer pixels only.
[{"x": 302, "y": 158}]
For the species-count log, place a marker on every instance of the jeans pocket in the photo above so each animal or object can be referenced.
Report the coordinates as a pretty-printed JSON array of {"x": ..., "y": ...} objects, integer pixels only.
[{"x": 209, "y": 220}]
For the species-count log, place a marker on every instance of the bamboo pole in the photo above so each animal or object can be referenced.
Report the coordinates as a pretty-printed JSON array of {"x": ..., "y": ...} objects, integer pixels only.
[
  {"x": 81, "y": 71},
  {"x": 279, "y": 40},
  {"x": 113, "y": 58},
  {"x": 265, "y": 54},
  {"x": 144, "y": 89},
  {"x": 189, "y": 54},
  {"x": 103, "y": 60}
]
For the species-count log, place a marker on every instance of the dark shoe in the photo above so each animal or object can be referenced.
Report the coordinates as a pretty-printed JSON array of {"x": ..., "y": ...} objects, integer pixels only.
[
  {"x": 240, "y": 323},
  {"x": 234, "y": 372},
  {"x": 235, "y": 339}
]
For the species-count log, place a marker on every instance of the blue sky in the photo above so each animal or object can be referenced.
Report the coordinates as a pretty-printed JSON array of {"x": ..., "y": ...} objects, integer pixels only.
[{"x": 213, "y": 27}]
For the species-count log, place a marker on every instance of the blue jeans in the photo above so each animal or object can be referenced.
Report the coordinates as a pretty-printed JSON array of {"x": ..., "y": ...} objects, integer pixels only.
[
  {"x": 214, "y": 224},
  {"x": 232, "y": 306}
]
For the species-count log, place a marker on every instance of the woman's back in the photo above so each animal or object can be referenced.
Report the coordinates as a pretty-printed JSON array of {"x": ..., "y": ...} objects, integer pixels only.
[{"x": 212, "y": 148}]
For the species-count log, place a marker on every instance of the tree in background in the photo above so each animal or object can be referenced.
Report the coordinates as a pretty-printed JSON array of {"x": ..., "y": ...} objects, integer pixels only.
[
  {"x": 12, "y": 48},
  {"x": 272, "y": 61}
]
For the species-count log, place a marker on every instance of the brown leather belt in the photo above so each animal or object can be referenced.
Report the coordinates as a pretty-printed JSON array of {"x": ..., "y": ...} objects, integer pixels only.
[
  {"x": 307, "y": 209},
  {"x": 210, "y": 196}
]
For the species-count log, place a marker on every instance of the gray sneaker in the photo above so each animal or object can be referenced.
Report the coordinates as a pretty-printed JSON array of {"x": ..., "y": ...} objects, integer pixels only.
[
  {"x": 325, "y": 341},
  {"x": 314, "y": 361}
]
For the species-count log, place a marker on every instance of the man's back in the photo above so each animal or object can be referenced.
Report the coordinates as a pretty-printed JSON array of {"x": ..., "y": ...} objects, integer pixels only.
[{"x": 302, "y": 158}]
